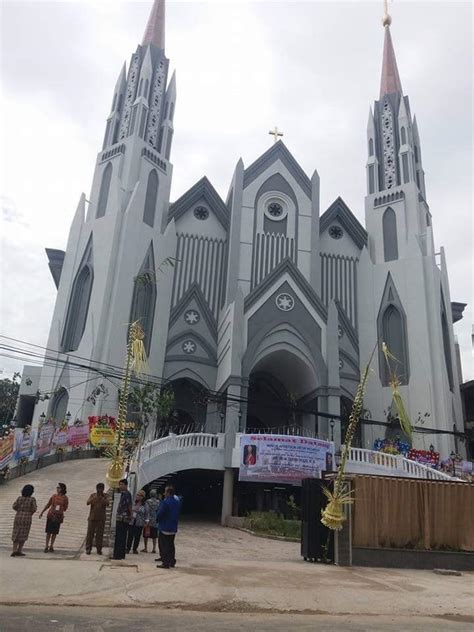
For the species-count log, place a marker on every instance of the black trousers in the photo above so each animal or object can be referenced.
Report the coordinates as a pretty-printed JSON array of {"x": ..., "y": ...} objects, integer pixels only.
[
  {"x": 133, "y": 537},
  {"x": 120, "y": 544},
  {"x": 167, "y": 550}
]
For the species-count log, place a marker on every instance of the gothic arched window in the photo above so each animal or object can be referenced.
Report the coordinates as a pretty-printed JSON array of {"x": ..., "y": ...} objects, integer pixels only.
[
  {"x": 393, "y": 332},
  {"x": 104, "y": 191},
  {"x": 60, "y": 405},
  {"x": 78, "y": 308},
  {"x": 390, "y": 240},
  {"x": 371, "y": 146},
  {"x": 144, "y": 297},
  {"x": 392, "y": 329},
  {"x": 404, "y": 136},
  {"x": 150, "y": 198},
  {"x": 171, "y": 111}
]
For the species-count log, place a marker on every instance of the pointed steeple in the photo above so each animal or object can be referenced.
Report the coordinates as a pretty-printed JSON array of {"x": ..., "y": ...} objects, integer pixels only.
[
  {"x": 155, "y": 29},
  {"x": 390, "y": 81}
]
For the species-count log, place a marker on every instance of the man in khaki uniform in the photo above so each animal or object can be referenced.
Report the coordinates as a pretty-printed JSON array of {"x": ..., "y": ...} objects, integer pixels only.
[{"x": 96, "y": 521}]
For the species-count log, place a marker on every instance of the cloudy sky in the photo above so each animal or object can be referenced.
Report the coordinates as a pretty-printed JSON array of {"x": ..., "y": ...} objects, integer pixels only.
[{"x": 312, "y": 68}]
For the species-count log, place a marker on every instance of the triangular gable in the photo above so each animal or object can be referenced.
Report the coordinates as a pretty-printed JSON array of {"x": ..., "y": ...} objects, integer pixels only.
[
  {"x": 390, "y": 297},
  {"x": 287, "y": 266},
  {"x": 278, "y": 151},
  {"x": 195, "y": 293},
  {"x": 148, "y": 264},
  {"x": 202, "y": 189},
  {"x": 340, "y": 211},
  {"x": 347, "y": 326}
]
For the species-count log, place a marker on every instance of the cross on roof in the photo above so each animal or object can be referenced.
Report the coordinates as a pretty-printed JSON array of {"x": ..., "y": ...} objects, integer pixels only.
[{"x": 275, "y": 133}]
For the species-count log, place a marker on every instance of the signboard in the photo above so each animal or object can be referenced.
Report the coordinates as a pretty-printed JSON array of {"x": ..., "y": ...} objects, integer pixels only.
[
  {"x": 78, "y": 435},
  {"x": 60, "y": 436},
  {"x": 6, "y": 449},
  {"x": 283, "y": 459},
  {"x": 23, "y": 444},
  {"x": 102, "y": 431},
  {"x": 45, "y": 438},
  {"x": 102, "y": 437}
]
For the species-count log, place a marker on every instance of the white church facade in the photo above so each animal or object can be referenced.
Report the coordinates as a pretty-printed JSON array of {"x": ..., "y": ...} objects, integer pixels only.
[{"x": 273, "y": 306}]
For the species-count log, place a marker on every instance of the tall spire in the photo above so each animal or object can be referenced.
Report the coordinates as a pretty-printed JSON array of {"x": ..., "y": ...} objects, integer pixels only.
[
  {"x": 155, "y": 29},
  {"x": 390, "y": 81}
]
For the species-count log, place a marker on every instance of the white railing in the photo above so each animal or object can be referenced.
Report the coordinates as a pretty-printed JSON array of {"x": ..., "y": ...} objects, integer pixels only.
[
  {"x": 195, "y": 440},
  {"x": 373, "y": 462}
]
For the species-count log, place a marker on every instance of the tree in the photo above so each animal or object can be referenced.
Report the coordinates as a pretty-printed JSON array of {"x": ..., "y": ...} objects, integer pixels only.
[
  {"x": 151, "y": 404},
  {"x": 8, "y": 395}
]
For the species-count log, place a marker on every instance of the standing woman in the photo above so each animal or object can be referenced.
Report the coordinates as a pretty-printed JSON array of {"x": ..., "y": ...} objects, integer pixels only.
[
  {"x": 150, "y": 530},
  {"x": 25, "y": 507},
  {"x": 138, "y": 521},
  {"x": 57, "y": 504}
]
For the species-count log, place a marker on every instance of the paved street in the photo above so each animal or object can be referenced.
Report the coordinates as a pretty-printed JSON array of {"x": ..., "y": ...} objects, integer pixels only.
[
  {"x": 45, "y": 619},
  {"x": 80, "y": 477}
]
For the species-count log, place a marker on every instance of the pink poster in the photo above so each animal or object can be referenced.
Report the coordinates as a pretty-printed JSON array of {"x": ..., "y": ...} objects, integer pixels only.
[{"x": 78, "y": 435}]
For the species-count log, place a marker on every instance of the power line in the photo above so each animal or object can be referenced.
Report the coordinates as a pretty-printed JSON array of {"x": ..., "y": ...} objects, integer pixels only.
[{"x": 107, "y": 371}]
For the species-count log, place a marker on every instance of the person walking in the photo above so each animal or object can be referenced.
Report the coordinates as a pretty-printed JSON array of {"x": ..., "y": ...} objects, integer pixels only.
[
  {"x": 96, "y": 522},
  {"x": 57, "y": 505},
  {"x": 124, "y": 513},
  {"x": 167, "y": 516},
  {"x": 138, "y": 522},
  {"x": 24, "y": 506},
  {"x": 150, "y": 530}
]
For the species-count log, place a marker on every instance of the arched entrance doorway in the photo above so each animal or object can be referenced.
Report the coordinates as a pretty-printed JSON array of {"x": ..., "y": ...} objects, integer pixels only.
[
  {"x": 278, "y": 384},
  {"x": 189, "y": 407}
]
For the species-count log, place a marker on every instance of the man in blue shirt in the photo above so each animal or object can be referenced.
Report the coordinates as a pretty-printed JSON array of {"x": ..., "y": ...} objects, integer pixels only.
[{"x": 167, "y": 517}]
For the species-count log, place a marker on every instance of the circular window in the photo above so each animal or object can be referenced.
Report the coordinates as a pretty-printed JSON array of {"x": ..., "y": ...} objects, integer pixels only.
[
  {"x": 285, "y": 302},
  {"x": 201, "y": 212},
  {"x": 335, "y": 232},
  {"x": 275, "y": 209}
]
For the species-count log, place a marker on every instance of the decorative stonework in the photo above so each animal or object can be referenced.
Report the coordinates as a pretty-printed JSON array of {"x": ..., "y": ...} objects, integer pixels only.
[
  {"x": 340, "y": 332},
  {"x": 130, "y": 96},
  {"x": 335, "y": 231},
  {"x": 201, "y": 213},
  {"x": 341, "y": 364},
  {"x": 156, "y": 103},
  {"x": 189, "y": 347},
  {"x": 389, "y": 168},
  {"x": 285, "y": 302},
  {"x": 192, "y": 317},
  {"x": 275, "y": 209}
]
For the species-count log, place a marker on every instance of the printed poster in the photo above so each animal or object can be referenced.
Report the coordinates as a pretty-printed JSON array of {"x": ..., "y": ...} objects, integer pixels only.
[
  {"x": 6, "y": 449},
  {"x": 283, "y": 459},
  {"x": 78, "y": 435}
]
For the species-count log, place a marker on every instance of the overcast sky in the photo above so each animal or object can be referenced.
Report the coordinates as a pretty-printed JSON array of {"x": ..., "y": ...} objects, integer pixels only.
[{"x": 312, "y": 68}]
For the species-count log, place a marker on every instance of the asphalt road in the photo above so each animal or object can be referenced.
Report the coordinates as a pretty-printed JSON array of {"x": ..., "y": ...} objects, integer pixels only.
[{"x": 74, "y": 619}]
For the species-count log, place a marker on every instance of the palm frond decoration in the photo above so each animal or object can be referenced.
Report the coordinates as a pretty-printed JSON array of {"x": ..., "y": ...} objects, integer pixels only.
[
  {"x": 395, "y": 384},
  {"x": 333, "y": 516},
  {"x": 136, "y": 362}
]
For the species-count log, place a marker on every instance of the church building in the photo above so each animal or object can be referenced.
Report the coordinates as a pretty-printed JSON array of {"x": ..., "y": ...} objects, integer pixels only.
[{"x": 260, "y": 309}]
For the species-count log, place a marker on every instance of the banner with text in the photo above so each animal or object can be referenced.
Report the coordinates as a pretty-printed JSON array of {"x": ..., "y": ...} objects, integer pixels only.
[
  {"x": 44, "y": 441},
  {"x": 6, "y": 449},
  {"x": 283, "y": 459}
]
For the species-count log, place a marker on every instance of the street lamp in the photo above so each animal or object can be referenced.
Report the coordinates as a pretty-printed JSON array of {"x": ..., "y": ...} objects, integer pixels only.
[
  {"x": 452, "y": 456},
  {"x": 331, "y": 423},
  {"x": 240, "y": 418},
  {"x": 431, "y": 447},
  {"x": 222, "y": 416},
  {"x": 68, "y": 417}
]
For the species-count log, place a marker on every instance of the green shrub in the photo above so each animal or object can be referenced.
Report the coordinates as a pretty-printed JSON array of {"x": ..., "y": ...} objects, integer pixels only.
[{"x": 271, "y": 523}]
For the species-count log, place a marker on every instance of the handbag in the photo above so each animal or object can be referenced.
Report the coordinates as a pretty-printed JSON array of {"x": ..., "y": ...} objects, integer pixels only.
[{"x": 146, "y": 531}]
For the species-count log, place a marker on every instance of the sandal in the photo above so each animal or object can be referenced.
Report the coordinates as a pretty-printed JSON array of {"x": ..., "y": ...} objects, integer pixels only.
[
  {"x": 51, "y": 550},
  {"x": 46, "y": 549}
]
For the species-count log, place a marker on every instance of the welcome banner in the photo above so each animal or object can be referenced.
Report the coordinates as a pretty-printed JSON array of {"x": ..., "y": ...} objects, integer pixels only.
[{"x": 283, "y": 459}]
